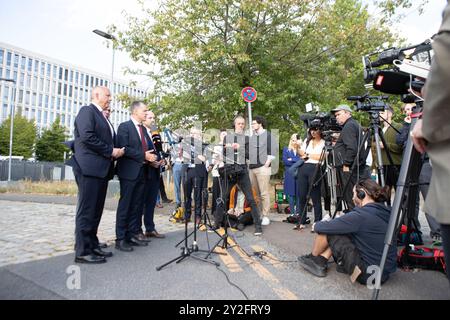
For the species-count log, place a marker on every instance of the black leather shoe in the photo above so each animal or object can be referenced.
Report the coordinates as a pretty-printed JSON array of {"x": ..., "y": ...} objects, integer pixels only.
[
  {"x": 138, "y": 243},
  {"x": 122, "y": 245},
  {"x": 102, "y": 245},
  {"x": 99, "y": 252},
  {"x": 90, "y": 259}
]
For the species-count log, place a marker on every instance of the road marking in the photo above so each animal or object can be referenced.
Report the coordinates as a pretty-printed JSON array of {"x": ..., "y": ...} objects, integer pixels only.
[
  {"x": 228, "y": 260},
  {"x": 261, "y": 271},
  {"x": 272, "y": 260}
]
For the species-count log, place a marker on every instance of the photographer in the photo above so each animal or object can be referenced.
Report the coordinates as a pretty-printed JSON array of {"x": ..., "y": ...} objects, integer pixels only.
[
  {"x": 347, "y": 151},
  {"x": 310, "y": 151},
  {"x": 355, "y": 240},
  {"x": 432, "y": 134},
  {"x": 235, "y": 171}
]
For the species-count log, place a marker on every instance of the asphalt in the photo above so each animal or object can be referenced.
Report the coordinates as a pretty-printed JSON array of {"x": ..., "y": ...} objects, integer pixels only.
[{"x": 134, "y": 275}]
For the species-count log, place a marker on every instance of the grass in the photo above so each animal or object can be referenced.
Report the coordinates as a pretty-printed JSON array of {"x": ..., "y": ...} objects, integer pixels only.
[{"x": 43, "y": 187}]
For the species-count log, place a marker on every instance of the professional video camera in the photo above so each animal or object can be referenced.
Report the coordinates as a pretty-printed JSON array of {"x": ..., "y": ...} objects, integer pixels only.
[
  {"x": 369, "y": 103},
  {"x": 408, "y": 67},
  {"x": 321, "y": 120}
]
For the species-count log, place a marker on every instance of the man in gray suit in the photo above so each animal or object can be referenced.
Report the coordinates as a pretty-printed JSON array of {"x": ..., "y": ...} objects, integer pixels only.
[{"x": 432, "y": 134}]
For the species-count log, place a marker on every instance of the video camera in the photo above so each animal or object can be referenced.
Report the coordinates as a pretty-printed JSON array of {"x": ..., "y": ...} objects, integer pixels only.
[
  {"x": 322, "y": 121},
  {"x": 406, "y": 65},
  {"x": 369, "y": 103}
]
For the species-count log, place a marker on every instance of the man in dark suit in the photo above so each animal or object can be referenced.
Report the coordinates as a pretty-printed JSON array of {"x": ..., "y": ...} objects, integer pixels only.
[
  {"x": 152, "y": 185},
  {"x": 133, "y": 170},
  {"x": 93, "y": 167}
]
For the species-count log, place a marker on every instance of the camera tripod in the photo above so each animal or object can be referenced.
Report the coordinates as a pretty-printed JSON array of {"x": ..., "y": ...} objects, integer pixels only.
[
  {"x": 326, "y": 160},
  {"x": 409, "y": 176}
]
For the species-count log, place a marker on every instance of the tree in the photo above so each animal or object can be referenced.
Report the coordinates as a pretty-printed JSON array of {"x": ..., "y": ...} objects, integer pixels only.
[
  {"x": 24, "y": 136},
  {"x": 50, "y": 145},
  {"x": 291, "y": 51}
]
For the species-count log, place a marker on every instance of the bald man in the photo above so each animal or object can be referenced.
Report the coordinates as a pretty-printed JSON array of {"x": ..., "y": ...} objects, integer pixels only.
[{"x": 93, "y": 167}]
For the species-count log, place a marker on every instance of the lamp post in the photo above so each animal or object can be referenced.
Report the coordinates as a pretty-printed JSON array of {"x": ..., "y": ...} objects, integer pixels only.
[
  {"x": 112, "y": 38},
  {"x": 12, "y": 124}
]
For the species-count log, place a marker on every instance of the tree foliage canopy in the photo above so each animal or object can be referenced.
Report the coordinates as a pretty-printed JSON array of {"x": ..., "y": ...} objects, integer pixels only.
[
  {"x": 291, "y": 51},
  {"x": 24, "y": 136},
  {"x": 50, "y": 145}
]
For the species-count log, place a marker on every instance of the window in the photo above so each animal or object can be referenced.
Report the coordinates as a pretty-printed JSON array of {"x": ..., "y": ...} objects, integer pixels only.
[
  {"x": 47, "y": 86},
  {"x": 70, "y": 91},
  {"x": 5, "y": 93},
  {"x": 41, "y": 84},
  {"x": 39, "y": 116},
  {"x": 59, "y": 88},
  {"x": 15, "y": 76},
  {"x": 36, "y": 67},
  {"x": 33, "y": 99},
  {"x": 28, "y": 81},
  {"x": 49, "y": 70},
  {"x": 1, "y": 56},
  {"x": 7, "y": 73},
  {"x": 21, "y": 96},
  {"x": 71, "y": 76},
  {"x": 58, "y": 104},
  {"x": 23, "y": 62},
  {"x": 22, "y": 79},
  {"x": 46, "y": 101},
  {"x": 86, "y": 81},
  {"x": 65, "y": 90},
  {"x": 60, "y": 73},
  {"x": 5, "y": 111},
  {"x": 1, "y": 70},
  {"x": 16, "y": 61},
  {"x": 42, "y": 69},
  {"x": 45, "y": 117},
  {"x": 55, "y": 72},
  {"x": 30, "y": 65},
  {"x": 80, "y": 80},
  {"x": 66, "y": 74},
  {"x": 40, "y": 100},
  {"x": 63, "y": 120},
  {"x": 34, "y": 87},
  {"x": 27, "y": 98},
  {"x": 8, "y": 59}
]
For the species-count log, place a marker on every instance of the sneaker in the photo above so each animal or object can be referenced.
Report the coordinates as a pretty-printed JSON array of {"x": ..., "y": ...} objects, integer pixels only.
[
  {"x": 265, "y": 221},
  {"x": 311, "y": 264},
  {"x": 258, "y": 231}
]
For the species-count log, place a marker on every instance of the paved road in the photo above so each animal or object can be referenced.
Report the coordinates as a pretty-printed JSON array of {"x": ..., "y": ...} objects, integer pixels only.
[{"x": 36, "y": 241}]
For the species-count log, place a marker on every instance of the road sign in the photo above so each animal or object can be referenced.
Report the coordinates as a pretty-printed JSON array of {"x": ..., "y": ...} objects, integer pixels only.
[{"x": 249, "y": 94}]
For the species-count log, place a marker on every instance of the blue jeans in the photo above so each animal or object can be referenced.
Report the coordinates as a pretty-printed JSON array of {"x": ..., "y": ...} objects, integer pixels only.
[
  {"x": 293, "y": 205},
  {"x": 177, "y": 173}
]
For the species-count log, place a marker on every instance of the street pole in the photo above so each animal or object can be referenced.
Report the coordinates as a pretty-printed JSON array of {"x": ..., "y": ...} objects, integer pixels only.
[
  {"x": 112, "y": 38},
  {"x": 11, "y": 124},
  {"x": 250, "y": 118},
  {"x": 112, "y": 68}
]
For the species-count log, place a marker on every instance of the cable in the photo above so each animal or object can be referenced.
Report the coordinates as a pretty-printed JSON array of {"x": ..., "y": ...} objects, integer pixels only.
[{"x": 231, "y": 283}]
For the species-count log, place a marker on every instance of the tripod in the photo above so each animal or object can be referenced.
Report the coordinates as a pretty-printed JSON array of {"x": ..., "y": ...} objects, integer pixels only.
[
  {"x": 327, "y": 161},
  {"x": 409, "y": 175},
  {"x": 186, "y": 251}
]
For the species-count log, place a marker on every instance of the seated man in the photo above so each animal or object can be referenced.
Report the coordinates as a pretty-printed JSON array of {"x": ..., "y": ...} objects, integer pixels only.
[
  {"x": 239, "y": 212},
  {"x": 356, "y": 239}
]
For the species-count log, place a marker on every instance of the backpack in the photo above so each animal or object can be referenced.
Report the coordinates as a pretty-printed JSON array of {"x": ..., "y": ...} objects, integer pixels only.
[{"x": 422, "y": 257}]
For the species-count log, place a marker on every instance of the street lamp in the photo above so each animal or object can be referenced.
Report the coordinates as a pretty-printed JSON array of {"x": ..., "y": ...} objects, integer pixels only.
[
  {"x": 12, "y": 124},
  {"x": 109, "y": 37}
]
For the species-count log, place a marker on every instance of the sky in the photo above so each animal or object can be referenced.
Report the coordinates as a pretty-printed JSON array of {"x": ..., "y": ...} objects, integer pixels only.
[{"x": 62, "y": 29}]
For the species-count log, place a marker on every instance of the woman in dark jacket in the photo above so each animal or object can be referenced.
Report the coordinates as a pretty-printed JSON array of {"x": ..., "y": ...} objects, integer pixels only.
[{"x": 290, "y": 156}]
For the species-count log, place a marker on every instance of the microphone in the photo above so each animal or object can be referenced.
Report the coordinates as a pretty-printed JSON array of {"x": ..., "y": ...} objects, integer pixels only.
[{"x": 157, "y": 141}]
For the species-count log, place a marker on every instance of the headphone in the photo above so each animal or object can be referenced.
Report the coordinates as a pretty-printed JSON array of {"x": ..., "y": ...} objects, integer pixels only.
[{"x": 360, "y": 194}]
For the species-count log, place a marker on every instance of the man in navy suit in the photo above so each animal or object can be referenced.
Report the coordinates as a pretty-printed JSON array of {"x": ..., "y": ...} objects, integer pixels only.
[
  {"x": 152, "y": 185},
  {"x": 133, "y": 170},
  {"x": 93, "y": 167}
]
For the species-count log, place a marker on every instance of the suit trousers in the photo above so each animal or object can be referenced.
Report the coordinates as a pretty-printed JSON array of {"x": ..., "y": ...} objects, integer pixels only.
[
  {"x": 130, "y": 207},
  {"x": 150, "y": 196},
  {"x": 91, "y": 201}
]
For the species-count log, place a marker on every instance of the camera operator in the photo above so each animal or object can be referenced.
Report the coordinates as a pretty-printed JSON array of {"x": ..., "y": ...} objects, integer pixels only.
[
  {"x": 355, "y": 240},
  {"x": 395, "y": 150},
  {"x": 235, "y": 171},
  {"x": 347, "y": 151},
  {"x": 432, "y": 134},
  {"x": 310, "y": 151}
]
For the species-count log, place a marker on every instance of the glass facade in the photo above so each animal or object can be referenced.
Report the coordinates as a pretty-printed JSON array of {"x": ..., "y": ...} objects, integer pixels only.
[{"x": 47, "y": 89}]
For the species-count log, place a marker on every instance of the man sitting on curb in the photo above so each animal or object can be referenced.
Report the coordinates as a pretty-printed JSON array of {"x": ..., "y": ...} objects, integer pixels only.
[{"x": 356, "y": 239}]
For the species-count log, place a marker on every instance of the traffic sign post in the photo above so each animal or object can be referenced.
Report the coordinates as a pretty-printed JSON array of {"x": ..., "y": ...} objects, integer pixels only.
[{"x": 249, "y": 94}]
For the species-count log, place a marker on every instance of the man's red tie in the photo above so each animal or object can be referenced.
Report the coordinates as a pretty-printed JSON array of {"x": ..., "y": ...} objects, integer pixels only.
[{"x": 143, "y": 141}]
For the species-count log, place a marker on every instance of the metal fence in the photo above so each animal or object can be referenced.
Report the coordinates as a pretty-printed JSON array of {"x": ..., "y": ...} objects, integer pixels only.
[{"x": 34, "y": 171}]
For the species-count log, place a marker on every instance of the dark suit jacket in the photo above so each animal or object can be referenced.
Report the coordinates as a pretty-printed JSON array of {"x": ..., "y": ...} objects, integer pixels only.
[
  {"x": 130, "y": 164},
  {"x": 93, "y": 144}
]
